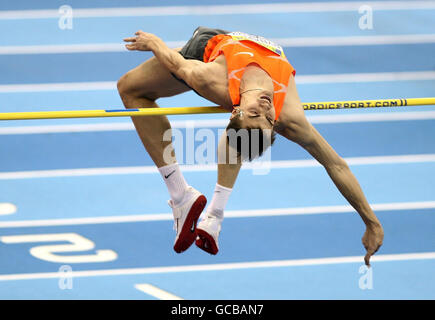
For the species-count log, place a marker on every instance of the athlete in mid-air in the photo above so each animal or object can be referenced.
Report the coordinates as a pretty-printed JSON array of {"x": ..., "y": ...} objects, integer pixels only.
[{"x": 251, "y": 77}]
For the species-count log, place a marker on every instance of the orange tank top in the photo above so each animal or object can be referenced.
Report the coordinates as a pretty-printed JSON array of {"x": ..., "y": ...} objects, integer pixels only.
[{"x": 240, "y": 50}]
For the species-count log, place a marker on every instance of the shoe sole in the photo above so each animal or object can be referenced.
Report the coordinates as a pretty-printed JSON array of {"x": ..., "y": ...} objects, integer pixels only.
[
  {"x": 188, "y": 234},
  {"x": 206, "y": 242}
]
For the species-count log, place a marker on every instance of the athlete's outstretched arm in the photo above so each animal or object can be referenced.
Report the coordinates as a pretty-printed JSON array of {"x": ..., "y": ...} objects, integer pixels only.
[{"x": 293, "y": 125}]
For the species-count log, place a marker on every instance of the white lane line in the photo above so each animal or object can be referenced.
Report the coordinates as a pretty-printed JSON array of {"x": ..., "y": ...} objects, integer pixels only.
[
  {"x": 120, "y": 126},
  {"x": 54, "y": 87},
  {"x": 156, "y": 292},
  {"x": 285, "y": 42},
  {"x": 238, "y": 9},
  {"x": 365, "y": 77},
  {"x": 285, "y": 164},
  {"x": 395, "y": 206},
  {"x": 7, "y": 208},
  {"x": 224, "y": 266},
  {"x": 77, "y": 48},
  {"x": 300, "y": 80},
  {"x": 216, "y": 123},
  {"x": 373, "y": 117},
  {"x": 69, "y": 128},
  {"x": 355, "y": 40}
]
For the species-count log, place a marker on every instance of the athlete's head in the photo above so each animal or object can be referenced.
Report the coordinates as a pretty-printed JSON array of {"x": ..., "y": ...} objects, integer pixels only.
[{"x": 250, "y": 130}]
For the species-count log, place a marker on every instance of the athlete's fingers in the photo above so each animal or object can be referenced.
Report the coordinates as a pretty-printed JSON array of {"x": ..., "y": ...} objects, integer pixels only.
[
  {"x": 130, "y": 46},
  {"x": 130, "y": 39},
  {"x": 370, "y": 253},
  {"x": 367, "y": 259},
  {"x": 139, "y": 32}
]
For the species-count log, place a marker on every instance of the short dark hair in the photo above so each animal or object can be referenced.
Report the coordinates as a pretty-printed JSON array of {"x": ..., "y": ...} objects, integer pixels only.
[{"x": 253, "y": 139}]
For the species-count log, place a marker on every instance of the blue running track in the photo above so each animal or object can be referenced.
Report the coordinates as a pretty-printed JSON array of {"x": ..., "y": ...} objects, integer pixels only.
[{"x": 288, "y": 233}]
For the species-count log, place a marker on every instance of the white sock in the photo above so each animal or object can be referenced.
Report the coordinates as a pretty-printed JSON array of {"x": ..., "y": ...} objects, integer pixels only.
[
  {"x": 219, "y": 201},
  {"x": 175, "y": 182}
]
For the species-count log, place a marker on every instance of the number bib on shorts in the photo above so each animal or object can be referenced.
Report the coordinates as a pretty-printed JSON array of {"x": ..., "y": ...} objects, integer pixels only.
[{"x": 258, "y": 40}]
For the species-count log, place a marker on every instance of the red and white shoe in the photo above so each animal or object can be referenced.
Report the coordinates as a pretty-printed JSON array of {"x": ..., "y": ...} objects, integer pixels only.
[
  {"x": 208, "y": 231},
  {"x": 186, "y": 216}
]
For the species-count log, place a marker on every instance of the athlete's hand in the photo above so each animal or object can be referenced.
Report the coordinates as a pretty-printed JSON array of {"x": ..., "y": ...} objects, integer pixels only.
[
  {"x": 372, "y": 240},
  {"x": 142, "y": 42}
]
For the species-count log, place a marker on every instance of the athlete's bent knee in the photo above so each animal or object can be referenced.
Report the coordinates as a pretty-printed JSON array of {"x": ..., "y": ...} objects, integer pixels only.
[
  {"x": 129, "y": 92},
  {"x": 123, "y": 85}
]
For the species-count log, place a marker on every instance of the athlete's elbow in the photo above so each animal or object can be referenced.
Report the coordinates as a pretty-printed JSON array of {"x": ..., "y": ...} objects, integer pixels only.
[
  {"x": 337, "y": 165},
  {"x": 192, "y": 77},
  {"x": 199, "y": 79},
  {"x": 188, "y": 74}
]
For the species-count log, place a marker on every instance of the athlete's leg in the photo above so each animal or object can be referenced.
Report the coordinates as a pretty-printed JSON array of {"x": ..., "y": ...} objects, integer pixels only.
[
  {"x": 209, "y": 228},
  {"x": 139, "y": 88},
  {"x": 293, "y": 125},
  {"x": 228, "y": 163}
]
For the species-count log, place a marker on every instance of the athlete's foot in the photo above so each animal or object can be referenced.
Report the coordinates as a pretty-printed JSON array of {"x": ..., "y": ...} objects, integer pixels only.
[
  {"x": 186, "y": 215},
  {"x": 208, "y": 230}
]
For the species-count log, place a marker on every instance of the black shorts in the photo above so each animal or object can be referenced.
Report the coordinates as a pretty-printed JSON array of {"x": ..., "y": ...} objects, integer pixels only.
[{"x": 194, "y": 48}]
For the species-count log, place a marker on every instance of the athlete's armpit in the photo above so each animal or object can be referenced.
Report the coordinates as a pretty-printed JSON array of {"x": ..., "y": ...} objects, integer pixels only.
[{"x": 210, "y": 81}]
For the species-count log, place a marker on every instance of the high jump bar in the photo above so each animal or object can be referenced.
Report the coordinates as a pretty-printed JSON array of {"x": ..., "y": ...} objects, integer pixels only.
[{"x": 382, "y": 103}]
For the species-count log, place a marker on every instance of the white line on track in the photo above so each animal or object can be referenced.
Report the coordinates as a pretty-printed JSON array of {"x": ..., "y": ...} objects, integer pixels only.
[
  {"x": 224, "y": 266},
  {"x": 396, "y": 206},
  {"x": 215, "y": 123},
  {"x": 285, "y": 42},
  {"x": 156, "y": 292},
  {"x": 53, "y": 87},
  {"x": 300, "y": 80},
  {"x": 79, "y": 48},
  {"x": 285, "y": 164},
  {"x": 7, "y": 208},
  {"x": 365, "y": 77},
  {"x": 355, "y": 40},
  {"x": 244, "y": 9},
  {"x": 71, "y": 128}
]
